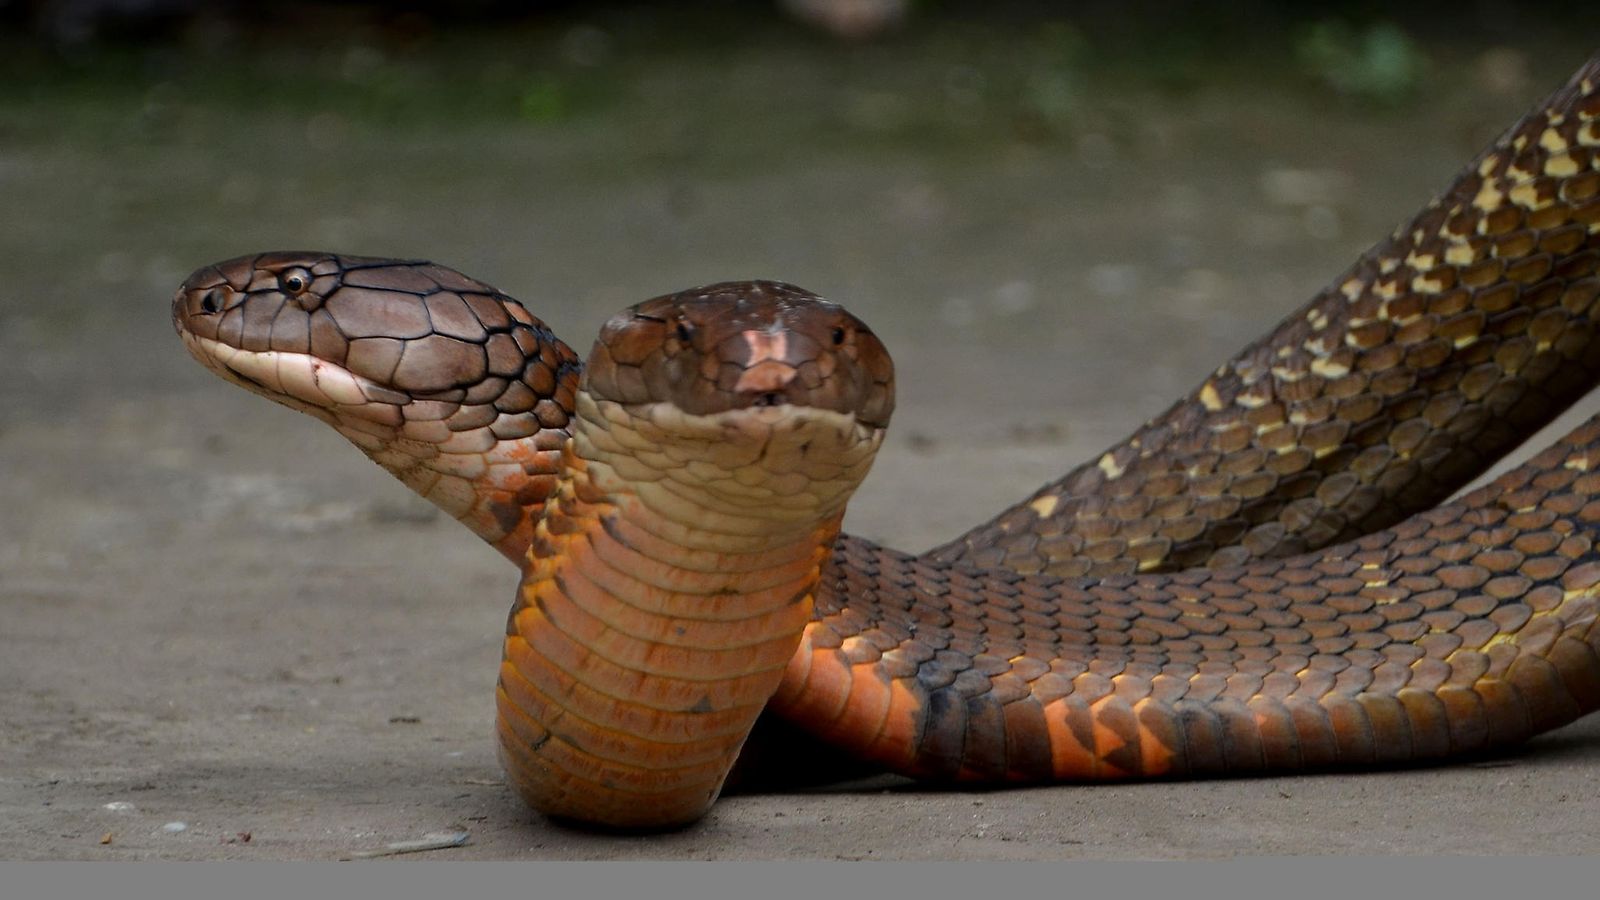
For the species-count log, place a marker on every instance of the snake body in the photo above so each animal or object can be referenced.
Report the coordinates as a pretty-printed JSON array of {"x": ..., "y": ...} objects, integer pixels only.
[
  {"x": 718, "y": 436},
  {"x": 1173, "y": 608},
  {"x": 1440, "y": 350}
]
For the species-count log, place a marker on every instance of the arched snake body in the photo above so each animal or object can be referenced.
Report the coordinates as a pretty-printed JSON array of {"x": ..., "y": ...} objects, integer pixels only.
[{"x": 1180, "y": 606}]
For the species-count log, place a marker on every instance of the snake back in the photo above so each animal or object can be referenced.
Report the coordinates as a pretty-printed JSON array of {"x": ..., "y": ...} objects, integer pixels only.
[{"x": 1436, "y": 353}]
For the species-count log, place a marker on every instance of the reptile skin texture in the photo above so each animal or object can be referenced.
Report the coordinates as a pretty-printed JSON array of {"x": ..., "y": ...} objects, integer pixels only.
[
  {"x": 1437, "y": 353},
  {"x": 1260, "y": 578}
]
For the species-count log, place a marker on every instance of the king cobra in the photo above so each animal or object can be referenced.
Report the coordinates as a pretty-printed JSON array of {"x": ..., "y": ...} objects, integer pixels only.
[{"x": 1261, "y": 578}]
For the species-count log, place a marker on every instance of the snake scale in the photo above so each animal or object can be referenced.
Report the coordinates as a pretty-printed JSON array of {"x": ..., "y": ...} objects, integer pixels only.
[{"x": 1259, "y": 578}]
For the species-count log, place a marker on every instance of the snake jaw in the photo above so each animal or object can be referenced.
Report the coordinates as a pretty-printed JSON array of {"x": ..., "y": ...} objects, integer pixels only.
[{"x": 299, "y": 381}]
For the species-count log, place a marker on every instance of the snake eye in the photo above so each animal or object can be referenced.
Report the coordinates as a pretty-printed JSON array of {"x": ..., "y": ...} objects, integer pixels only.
[
  {"x": 684, "y": 332},
  {"x": 294, "y": 281},
  {"x": 838, "y": 336}
]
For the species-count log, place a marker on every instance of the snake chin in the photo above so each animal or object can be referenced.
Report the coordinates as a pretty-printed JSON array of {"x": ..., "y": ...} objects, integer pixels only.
[{"x": 785, "y": 464}]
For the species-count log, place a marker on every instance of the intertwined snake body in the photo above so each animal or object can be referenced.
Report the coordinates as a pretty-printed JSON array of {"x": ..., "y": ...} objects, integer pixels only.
[{"x": 1179, "y": 606}]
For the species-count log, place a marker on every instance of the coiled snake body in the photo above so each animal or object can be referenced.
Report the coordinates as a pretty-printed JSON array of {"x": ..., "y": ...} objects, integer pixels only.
[{"x": 1179, "y": 606}]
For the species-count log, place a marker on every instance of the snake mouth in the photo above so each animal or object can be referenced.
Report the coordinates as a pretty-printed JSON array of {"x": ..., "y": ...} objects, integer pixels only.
[{"x": 300, "y": 381}]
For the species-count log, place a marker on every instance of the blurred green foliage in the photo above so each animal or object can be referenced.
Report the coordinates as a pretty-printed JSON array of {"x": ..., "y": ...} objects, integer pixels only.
[
  {"x": 1379, "y": 63},
  {"x": 545, "y": 100},
  {"x": 679, "y": 74}
]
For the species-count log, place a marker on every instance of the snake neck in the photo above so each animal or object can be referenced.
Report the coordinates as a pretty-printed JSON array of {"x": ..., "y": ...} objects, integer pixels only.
[
  {"x": 496, "y": 487},
  {"x": 667, "y": 587}
]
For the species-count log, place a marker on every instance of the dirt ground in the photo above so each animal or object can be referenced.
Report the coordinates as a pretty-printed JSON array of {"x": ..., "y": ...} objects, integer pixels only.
[{"x": 224, "y": 634}]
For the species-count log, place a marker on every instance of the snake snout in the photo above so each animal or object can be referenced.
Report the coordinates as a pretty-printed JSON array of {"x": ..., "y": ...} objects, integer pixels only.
[
  {"x": 768, "y": 375},
  {"x": 207, "y": 292}
]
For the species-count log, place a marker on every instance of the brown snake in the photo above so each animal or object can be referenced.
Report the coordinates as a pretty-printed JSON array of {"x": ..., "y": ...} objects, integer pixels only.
[{"x": 1173, "y": 608}]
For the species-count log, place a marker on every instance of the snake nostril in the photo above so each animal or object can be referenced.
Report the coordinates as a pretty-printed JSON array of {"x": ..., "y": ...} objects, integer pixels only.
[
  {"x": 770, "y": 398},
  {"x": 211, "y": 302}
]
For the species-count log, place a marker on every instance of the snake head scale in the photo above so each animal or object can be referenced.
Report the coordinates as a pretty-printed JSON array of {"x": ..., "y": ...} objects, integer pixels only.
[{"x": 738, "y": 345}]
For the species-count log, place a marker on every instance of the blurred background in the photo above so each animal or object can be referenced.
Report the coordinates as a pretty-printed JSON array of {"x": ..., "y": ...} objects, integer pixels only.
[{"x": 1059, "y": 216}]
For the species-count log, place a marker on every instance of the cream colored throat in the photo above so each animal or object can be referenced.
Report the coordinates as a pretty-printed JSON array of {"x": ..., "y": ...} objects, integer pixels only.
[
  {"x": 763, "y": 471},
  {"x": 667, "y": 590}
]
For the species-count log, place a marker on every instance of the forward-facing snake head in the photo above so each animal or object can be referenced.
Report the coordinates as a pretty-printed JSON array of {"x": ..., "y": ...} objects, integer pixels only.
[
  {"x": 446, "y": 382},
  {"x": 757, "y": 399},
  {"x": 745, "y": 344}
]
